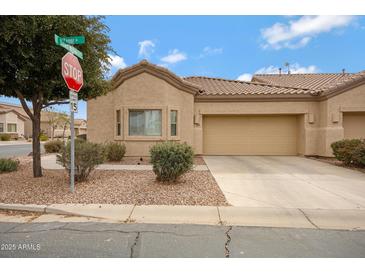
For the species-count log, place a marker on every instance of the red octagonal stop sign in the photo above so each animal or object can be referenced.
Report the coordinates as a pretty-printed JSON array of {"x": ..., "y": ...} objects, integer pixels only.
[{"x": 72, "y": 72}]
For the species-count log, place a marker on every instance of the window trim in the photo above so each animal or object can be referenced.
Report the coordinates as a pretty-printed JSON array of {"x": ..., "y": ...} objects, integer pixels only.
[
  {"x": 2, "y": 126},
  {"x": 116, "y": 136},
  {"x": 7, "y": 127},
  {"x": 142, "y": 137},
  {"x": 178, "y": 122},
  {"x": 118, "y": 122}
]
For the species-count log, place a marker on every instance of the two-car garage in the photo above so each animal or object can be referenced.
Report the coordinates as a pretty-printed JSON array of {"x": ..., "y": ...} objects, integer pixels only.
[{"x": 250, "y": 135}]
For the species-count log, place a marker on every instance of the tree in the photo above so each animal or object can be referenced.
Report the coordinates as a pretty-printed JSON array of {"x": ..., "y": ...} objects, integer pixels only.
[{"x": 30, "y": 63}]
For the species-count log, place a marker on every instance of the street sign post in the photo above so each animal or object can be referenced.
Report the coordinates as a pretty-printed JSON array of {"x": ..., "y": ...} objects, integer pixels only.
[
  {"x": 73, "y": 75},
  {"x": 71, "y": 40},
  {"x": 60, "y": 41},
  {"x": 73, "y": 101}
]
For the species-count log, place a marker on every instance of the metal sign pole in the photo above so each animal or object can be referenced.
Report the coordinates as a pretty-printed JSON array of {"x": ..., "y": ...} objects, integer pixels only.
[{"x": 72, "y": 175}]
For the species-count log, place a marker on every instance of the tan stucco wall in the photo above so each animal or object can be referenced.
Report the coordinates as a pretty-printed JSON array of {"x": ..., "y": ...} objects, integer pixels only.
[
  {"x": 319, "y": 123},
  {"x": 144, "y": 91},
  {"x": 12, "y": 118}
]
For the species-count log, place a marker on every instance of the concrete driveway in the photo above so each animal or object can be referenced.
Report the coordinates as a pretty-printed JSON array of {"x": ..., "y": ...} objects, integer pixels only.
[{"x": 287, "y": 182}]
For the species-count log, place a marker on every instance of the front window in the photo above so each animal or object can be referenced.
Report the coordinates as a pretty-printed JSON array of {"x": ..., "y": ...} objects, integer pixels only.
[
  {"x": 173, "y": 122},
  {"x": 145, "y": 122},
  {"x": 1, "y": 127},
  {"x": 118, "y": 123},
  {"x": 11, "y": 127}
]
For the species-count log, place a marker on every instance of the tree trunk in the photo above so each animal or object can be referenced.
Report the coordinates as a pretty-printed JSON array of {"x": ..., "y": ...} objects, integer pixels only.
[{"x": 37, "y": 169}]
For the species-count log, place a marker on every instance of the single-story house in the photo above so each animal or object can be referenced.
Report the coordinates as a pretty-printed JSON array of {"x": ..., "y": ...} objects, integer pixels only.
[
  {"x": 12, "y": 123},
  {"x": 80, "y": 126},
  {"x": 23, "y": 123},
  {"x": 57, "y": 125},
  {"x": 280, "y": 114}
]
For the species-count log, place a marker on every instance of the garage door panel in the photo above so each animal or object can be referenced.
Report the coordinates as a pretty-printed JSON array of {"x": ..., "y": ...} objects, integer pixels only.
[
  {"x": 354, "y": 125},
  {"x": 250, "y": 135}
]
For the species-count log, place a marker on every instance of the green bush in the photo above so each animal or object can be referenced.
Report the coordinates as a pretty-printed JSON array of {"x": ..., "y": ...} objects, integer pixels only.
[
  {"x": 7, "y": 165},
  {"x": 53, "y": 146},
  {"x": 359, "y": 155},
  {"x": 43, "y": 137},
  {"x": 5, "y": 137},
  {"x": 170, "y": 160},
  {"x": 344, "y": 150},
  {"x": 87, "y": 157},
  {"x": 114, "y": 151}
]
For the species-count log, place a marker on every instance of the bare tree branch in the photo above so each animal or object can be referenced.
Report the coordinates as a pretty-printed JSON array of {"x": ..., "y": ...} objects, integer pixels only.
[
  {"x": 55, "y": 103},
  {"x": 24, "y": 104}
]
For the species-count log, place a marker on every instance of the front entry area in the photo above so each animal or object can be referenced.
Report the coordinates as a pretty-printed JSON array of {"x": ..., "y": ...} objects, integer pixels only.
[{"x": 250, "y": 135}]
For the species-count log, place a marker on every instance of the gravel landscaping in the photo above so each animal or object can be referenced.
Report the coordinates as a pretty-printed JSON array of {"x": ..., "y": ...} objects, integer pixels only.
[{"x": 108, "y": 187}]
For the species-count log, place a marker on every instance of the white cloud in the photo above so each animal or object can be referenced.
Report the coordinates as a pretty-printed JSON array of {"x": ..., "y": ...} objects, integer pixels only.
[
  {"x": 298, "y": 33},
  {"x": 174, "y": 56},
  {"x": 146, "y": 48},
  {"x": 245, "y": 77},
  {"x": 208, "y": 51},
  {"x": 117, "y": 61},
  {"x": 294, "y": 69}
]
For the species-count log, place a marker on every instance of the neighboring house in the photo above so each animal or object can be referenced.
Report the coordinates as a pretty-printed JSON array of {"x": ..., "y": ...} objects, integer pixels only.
[
  {"x": 13, "y": 121},
  {"x": 80, "y": 127},
  {"x": 296, "y": 114},
  {"x": 53, "y": 124}
]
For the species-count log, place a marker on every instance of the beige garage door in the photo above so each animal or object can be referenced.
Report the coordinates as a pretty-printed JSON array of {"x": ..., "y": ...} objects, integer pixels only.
[
  {"x": 250, "y": 135},
  {"x": 354, "y": 125}
]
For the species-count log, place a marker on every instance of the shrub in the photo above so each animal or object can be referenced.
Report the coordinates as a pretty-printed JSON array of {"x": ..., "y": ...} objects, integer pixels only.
[
  {"x": 359, "y": 155},
  {"x": 43, "y": 137},
  {"x": 53, "y": 146},
  {"x": 344, "y": 150},
  {"x": 5, "y": 137},
  {"x": 114, "y": 151},
  {"x": 7, "y": 165},
  {"x": 87, "y": 157},
  {"x": 170, "y": 160}
]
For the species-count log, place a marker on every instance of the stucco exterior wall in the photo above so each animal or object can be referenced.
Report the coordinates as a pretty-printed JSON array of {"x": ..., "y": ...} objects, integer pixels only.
[
  {"x": 352, "y": 100},
  {"x": 100, "y": 118},
  {"x": 12, "y": 118},
  {"x": 143, "y": 91},
  {"x": 319, "y": 123}
]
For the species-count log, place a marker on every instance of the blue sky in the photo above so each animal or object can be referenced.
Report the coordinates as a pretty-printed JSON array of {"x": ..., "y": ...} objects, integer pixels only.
[{"x": 235, "y": 47}]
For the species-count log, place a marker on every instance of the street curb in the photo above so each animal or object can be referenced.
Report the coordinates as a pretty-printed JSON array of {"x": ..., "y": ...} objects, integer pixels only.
[
  {"x": 22, "y": 207},
  {"x": 209, "y": 215}
]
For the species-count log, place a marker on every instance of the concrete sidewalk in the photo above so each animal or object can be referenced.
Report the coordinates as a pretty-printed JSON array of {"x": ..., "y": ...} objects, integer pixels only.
[
  {"x": 208, "y": 215},
  {"x": 49, "y": 162}
]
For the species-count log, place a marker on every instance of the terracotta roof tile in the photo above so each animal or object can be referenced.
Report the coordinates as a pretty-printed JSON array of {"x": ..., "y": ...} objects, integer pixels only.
[
  {"x": 314, "y": 81},
  {"x": 218, "y": 86}
]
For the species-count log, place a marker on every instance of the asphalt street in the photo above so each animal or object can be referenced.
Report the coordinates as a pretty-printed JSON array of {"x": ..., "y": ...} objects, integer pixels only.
[
  {"x": 16, "y": 150},
  {"x": 94, "y": 239}
]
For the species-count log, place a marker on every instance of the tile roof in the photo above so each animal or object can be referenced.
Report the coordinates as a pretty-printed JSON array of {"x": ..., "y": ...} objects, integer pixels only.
[
  {"x": 313, "y": 81},
  {"x": 315, "y": 84},
  {"x": 218, "y": 86}
]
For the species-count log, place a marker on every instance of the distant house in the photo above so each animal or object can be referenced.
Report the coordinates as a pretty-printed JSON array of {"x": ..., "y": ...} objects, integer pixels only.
[
  {"x": 53, "y": 124},
  {"x": 80, "y": 127},
  {"x": 14, "y": 122}
]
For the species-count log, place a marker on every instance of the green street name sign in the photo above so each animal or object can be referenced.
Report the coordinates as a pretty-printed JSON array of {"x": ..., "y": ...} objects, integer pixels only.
[
  {"x": 71, "y": 40},
  {"x": 62, "y": 41}
]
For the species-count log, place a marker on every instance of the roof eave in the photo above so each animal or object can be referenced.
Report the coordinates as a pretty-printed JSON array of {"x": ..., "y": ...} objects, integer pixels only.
[{"x": 160, "y": 72}]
